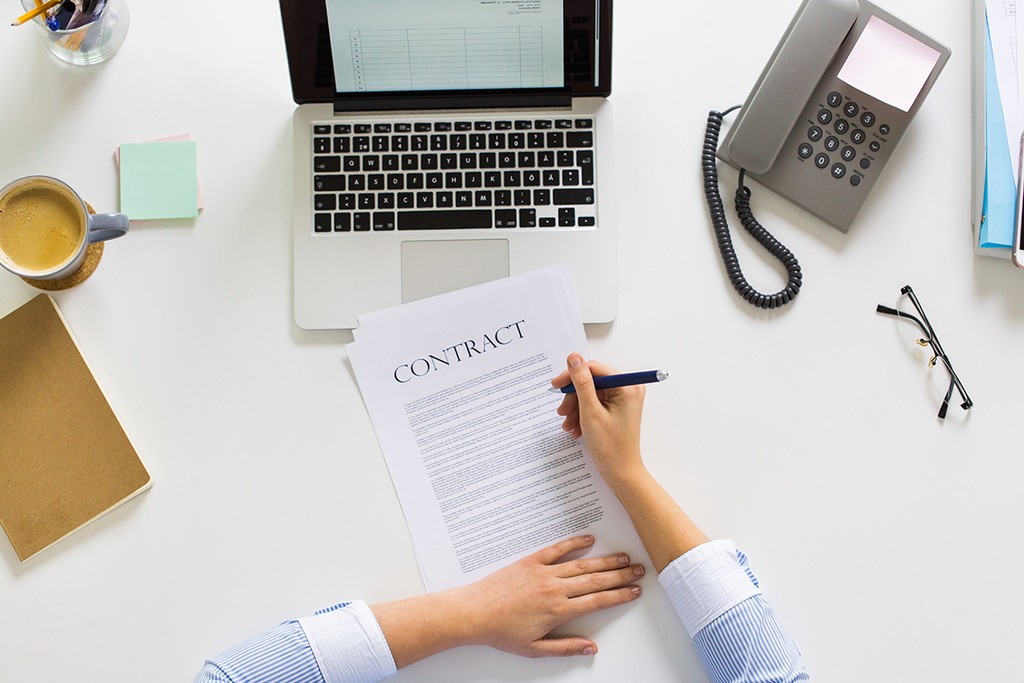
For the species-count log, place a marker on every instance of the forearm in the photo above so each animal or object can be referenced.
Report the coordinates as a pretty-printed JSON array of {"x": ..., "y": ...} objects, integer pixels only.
[
  {"x": 425, "y": 625},
  {"x": 665, "y": 530}
]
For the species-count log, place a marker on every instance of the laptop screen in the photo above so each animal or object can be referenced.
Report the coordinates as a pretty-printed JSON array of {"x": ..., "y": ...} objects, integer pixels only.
[{"x": 403, "y": 52}]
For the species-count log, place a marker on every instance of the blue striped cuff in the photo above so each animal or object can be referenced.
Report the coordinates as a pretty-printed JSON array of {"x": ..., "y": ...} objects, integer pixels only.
[{"x": 706, "y": 582}]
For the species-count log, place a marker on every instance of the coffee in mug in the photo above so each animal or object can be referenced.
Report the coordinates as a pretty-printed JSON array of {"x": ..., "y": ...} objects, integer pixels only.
[{"x": 45, "y": 228}]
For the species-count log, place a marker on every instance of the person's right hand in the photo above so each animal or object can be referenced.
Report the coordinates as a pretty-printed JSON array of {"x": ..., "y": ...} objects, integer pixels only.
[{"x": 608, "y": 420}]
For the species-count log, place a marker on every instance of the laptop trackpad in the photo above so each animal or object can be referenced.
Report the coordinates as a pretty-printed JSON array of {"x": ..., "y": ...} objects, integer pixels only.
[{"x": 430, "y": 268}]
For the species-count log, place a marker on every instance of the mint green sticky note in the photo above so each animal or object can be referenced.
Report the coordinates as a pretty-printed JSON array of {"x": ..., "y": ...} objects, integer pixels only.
[{"x": 158, "y": 180}]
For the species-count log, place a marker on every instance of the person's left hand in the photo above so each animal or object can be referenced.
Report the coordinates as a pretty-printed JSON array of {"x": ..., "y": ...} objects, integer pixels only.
[{"x": 516, "y": 608}]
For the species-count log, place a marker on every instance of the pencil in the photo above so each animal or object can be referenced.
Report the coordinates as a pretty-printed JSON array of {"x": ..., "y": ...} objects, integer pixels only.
[{"x": 35, "y": 12}]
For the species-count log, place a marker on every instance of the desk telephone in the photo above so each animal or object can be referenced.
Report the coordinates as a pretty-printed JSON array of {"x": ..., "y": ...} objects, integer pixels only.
[{"x": 821, "y": 122}]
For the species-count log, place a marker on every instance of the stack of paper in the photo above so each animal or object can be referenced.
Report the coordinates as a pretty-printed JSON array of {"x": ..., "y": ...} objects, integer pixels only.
[{"x": 457, "y": 387}]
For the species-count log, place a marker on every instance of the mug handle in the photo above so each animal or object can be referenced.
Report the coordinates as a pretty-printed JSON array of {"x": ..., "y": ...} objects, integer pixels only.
[{"x": 107, "y": 226}]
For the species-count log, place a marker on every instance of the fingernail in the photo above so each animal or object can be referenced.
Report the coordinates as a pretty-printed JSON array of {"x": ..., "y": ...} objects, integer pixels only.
[
  {"x": 588, "y": 539},
  {"x": 623, "y": 559},
  {"x": 575, "y": 361},
  {"x": 638, "y": 570},
  {"x": 635, "y": 590},
  {"x": 590, "y": 650}
]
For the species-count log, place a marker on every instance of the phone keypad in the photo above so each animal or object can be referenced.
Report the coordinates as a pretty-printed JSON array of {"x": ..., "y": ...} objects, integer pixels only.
[{"x": 846, "y": 128}]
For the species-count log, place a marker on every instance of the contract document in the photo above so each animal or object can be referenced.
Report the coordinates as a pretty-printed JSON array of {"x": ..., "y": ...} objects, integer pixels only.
[{"x": 457, "y": 389}]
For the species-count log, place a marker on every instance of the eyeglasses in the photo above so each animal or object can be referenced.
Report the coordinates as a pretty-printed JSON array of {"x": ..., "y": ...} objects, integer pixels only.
[{"x": 932, "y": 340}]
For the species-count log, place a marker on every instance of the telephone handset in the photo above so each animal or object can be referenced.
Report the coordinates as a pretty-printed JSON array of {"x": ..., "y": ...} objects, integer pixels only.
[{"x": 822, "y": 120}]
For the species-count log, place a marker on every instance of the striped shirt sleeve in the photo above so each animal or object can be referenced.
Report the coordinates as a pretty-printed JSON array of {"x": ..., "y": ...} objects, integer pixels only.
[
  {"x": 340, "y": 644},
  {"x": 734, "y": 629}
]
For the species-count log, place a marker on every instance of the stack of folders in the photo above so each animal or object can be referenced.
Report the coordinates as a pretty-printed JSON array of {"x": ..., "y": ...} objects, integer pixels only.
[
  {"x": 457, "y": 388},
  {"x": 998, "y": 122}
]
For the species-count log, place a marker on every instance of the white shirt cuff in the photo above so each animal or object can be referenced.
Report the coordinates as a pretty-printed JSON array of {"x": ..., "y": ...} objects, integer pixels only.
[
  {"x": 705, "y": 583},
  {"x": 348, "y": 645}
]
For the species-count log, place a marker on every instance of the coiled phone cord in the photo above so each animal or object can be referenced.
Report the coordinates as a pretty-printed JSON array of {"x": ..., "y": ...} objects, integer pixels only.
[{"x": 709, "y": 166}]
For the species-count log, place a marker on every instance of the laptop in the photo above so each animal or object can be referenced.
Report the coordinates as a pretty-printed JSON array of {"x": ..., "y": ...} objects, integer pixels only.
[{"x": 444, "y": 143}]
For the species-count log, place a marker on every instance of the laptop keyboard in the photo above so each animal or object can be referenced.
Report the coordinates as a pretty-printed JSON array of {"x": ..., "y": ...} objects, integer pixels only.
[{"x": 480, "y": 174}]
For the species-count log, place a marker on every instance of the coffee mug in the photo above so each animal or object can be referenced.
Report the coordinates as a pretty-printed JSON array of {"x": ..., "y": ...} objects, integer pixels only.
[{"x": 45, "y": 228}]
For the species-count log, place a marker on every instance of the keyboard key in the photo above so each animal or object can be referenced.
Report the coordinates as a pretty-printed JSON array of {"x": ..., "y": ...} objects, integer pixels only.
[
  {"x": 502, "y": 125},
  {"x": 361, "y": 144},
  {"x": 512, "y": 179},
  {"x": 505, "y": 218},
  {"x": 565, "y": 197},
  {"x": 410, "y": 162},
  {"x": 482, "y": 198},
  {"x": 570, "y": 177},
  {"x": 453, "y": 181},
  {"x": 492, "y": 179},
  {"x": 386, "y": 200},
  {"x": 424, "y": 200},
  {"x": 347, "y": 201},
  {"x": 382, "y": 128},
  {"x": 371, "y": 162},
  {"x": 526, "y": 160},
  {"x": 357, "y": 183},
  {"x": 521, "y": 197},
  {"x": 503, "y": 198},
  {"x": 463, "y": 125},
  {"x": 565, "y": 158},
  {"x": 342, "y": 129},
  {"x": 547, "y": 222},
  {"x": 321, "y": 130},
  {"x": 585, "y": 161},
  {"x": 418, "y": 143},
  {"x": 403, "y": 128},
  {"x": 329, "y": 183},
  {"x": 435, "y": 181},
  {"x": 429, "y": 162},
  {"x": 507, "y": 160},
  {"x": 444, "y": 200},
  {"x": 441, "y": 220},
  {"x": 567, "y": 218},
  {"x": 322, "y": 222},
  {"x": 580, "y": 139},
  {"x": 381, "y": 143},
  {"x": 496, "y": 141},
  {"x": 361, "y": 222},
  {"x": 523, "y": 125},
  {"x": 442, "y": 127},
  {"x": 342, "y": 145},
  {"x": 482, "y": 125},
  {"x": 414, "y": 181},
  {"x": 535, "y": 140},
  {"x": 478, "y": 141},
  {"x": 543, "y": 124},
  {"x": 384, "y": 220},
  {"x": 406, "y": 200},
  {"x": 586, "y": 221},
  {"x": 449, "y": 161},
  {"x": 458, "y": 142},
  {"x": 325, "y": 202},
  {"x": 556, "y": 139},
  {"x": 367, "y": 201},
  {"x": 527, "y": 218},
  {"x": 463, "y": 199},
  {"x": 326, "y": 164},
  {"x": 584, "y": 123},
  {"x": 488, "y": 160},
  {"x": 542, "y": 198},
  {"x": 474, "y": 179},
  {"x": 400, "y": 143},
  {"x": 351, "y": 163},
  {"x": 389, "y": 162},
  {"x": 342, "y": 222},
  {"x": 422, "y": 127},
  {"x": 362, "y": 128},
  {"x": 545, "y": 159},
  {"x": 467, "y": 160},
  {"x": 563, "y": 123},
  {"x": 321, "y": 145}
]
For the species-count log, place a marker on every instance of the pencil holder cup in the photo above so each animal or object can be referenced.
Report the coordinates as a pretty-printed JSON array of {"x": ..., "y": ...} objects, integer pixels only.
[{"x": 92, "y": 43}]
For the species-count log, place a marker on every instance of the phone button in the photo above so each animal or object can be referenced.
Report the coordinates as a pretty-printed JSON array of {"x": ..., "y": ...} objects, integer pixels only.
[
  {"x": 842, "y": 125},
  {"x": 883, "y": 129},
  {"x": 822, "y": 160},
  {"x": 855, "y": 180},
  {"x": 831, "y": 143},
  {"x": 867, "y": 119},
  {"x": 858, "y": 136},
  {"x": 849, "y": 153},
  {"x": 824, "y": 117},
  {"x": 805, "y": 151},
  {"x": 814, "y": 134},
  {"x": 834, "y": 99},
  {"x": 851, "y": 109}
]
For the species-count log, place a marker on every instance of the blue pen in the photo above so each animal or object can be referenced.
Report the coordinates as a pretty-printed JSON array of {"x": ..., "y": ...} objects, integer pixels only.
[{"x": 625, "y": 380}]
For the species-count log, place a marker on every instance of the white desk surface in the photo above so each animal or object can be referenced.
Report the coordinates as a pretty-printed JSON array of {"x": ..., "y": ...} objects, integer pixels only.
[{"x": 888, "y": 542}]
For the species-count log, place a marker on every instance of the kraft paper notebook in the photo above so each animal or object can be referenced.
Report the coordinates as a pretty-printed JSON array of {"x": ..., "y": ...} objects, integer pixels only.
[{"x": 64, "y": 457}]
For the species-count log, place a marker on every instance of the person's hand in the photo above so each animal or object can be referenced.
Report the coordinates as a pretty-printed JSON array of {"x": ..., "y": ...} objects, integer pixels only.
[
  {"x": 516, "y": 608},
  {"x": 608, "y": 420}
]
